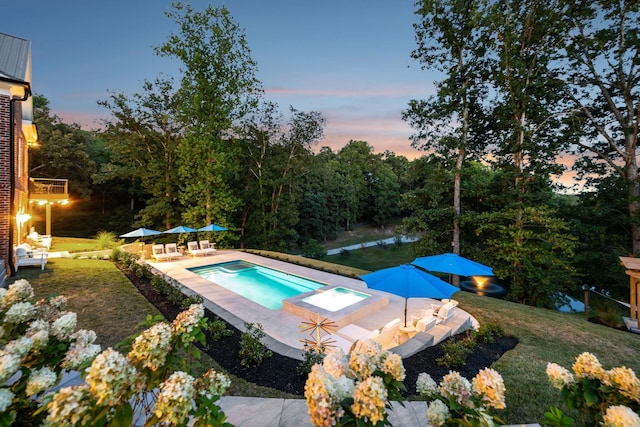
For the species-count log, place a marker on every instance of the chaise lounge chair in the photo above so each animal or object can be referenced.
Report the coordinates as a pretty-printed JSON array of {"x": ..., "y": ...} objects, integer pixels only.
[
  {"x": 192, "y": 248},
  {"x": 207, "y": 247},
  {"x": 158, "y": 253},
  {"x": 446, "y": 312},
  {"x": 171, "y": 249}
]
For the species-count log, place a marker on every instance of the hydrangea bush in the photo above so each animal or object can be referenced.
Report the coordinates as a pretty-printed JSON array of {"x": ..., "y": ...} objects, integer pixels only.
[
  {"x": 610, "y": 398},
  {"x": 457, "y": 401},
  {"x": 149, "y": 384},
  {"x": 354, "y": 389}
]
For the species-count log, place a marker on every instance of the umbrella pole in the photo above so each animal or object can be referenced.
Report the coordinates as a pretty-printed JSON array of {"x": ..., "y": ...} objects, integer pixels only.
[{"x": 405, "y": 312}]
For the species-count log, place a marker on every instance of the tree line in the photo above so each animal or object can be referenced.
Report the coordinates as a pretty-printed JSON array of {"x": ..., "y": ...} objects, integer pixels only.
[{"x": 524, "y": 82}]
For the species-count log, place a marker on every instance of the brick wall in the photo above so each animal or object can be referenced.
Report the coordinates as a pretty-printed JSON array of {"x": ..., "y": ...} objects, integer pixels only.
[{"x": 5, "y": 181}]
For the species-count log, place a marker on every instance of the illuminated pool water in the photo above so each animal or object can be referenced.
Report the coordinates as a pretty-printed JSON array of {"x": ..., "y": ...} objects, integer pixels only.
[
  {"x": 335, "y": 299},
  {"x": 263, "y": 285}
]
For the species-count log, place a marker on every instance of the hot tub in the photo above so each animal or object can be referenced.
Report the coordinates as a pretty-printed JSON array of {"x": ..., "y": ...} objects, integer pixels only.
[{"x": 340, "y": 304}]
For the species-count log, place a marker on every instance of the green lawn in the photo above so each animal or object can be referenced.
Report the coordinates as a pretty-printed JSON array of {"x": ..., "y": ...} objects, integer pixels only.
[
  {"x": 107, "y": 303},
  {"x": 374, "y": 257}
]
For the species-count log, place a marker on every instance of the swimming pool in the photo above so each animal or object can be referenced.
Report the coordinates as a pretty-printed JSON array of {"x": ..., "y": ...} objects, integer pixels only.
[{"x": 263, "y": 285}]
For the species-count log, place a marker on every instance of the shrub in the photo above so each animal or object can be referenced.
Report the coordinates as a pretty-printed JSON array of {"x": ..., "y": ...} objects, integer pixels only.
[
  {"x": 39, "y": 341},
  {"x": 192, "y": 299},
  {"x": 609, "y": 313},
  {"x": 458, "y": 401},
  {"x": 312, "y": 355},
  {"x": 106, "y": 239},
  {"x": 252, "y": 351},
  {"x": 218, "y": 329},
  {"x": 313, "y": 249},
  {"x": 456, "y": 352}
]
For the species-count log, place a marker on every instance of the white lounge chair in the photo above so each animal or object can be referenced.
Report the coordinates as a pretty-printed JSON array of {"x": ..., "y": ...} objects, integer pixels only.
[
  {"x": 26, "y": 258},
  {"x": 192, "y": 248},
  {"x": 158, "y": 253},
  {"x": 425, "y": 322},
  {"x": 171, "y": 249},
  {"x": 389, "y": 333},
  {"x": 208, "y": 248},
  {"x": 446, "y": 312}
]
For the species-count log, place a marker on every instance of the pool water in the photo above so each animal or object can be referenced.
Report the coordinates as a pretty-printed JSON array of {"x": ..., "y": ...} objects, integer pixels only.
[
  {"x": 263, "y": 285},
  {"x": 335, "y": 299}
]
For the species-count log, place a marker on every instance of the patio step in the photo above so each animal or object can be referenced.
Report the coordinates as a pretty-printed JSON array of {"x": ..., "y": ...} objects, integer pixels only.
[{"x": 440, "y": 333}]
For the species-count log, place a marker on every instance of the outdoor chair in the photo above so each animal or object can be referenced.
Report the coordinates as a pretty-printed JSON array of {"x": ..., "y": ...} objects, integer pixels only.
[
  {"x": 389, "y": 333},
  {"x": 192, "y": 248},
  {"x": 445, "y": 312},
  {"x": 26, "y": 257},
  {"x": 158, "y": 253},
  {"x": 171, "y": 249},
  {"x": 207, "y": 247}
]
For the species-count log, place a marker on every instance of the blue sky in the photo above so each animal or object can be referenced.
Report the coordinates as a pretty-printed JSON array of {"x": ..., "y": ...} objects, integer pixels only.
[{"x": 348, "y": 59}]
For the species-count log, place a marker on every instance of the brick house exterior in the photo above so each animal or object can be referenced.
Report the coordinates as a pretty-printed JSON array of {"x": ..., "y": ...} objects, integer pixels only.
[{"x": 17, "y": 131}]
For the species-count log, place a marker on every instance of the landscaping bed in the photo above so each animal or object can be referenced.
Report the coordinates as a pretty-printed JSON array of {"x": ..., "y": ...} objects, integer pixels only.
[{"x": 281, "y": 372}]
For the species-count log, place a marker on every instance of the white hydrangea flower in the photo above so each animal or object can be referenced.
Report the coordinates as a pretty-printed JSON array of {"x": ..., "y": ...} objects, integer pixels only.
[
  {"x": 455, "y": 386},
  {"x": 213, "y": 383},
  {"x": 63, "y": 326},
  {"x": 19, "y": 291},
  {"x": 151, "y": 347},
  {"x": 20, "y": 312},
  {"x": 186, "y": 321},
  {"x": 69, "y": 407},
  {"x": 559, "y": 377},
  {"x": 335, "y": 363},
  {"x": 81, "y": 350},
  {"x": 6, "y": 397},
  {"x": 425, "y": 385},
  {"x": 588, "y": 366},
  {"x": 489, "y": 384},
  {"x": 620, "y": 416},
  {"x": 437, "y": 413},
  {"x": 175, "y": 399},
  {"x": 40, "y": 380},
  {"x": 110, "y": 377},
  {"x": 370, "y": 399}
]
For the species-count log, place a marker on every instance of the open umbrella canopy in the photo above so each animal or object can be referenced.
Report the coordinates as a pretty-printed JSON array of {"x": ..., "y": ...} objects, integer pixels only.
[
  {"x": 409, "y": 282},
  {"x": 140, "y": 232},
  {"x": 453, "y": 264},
  {"x": 212, "y": 227},
  {"x": 180, "y": 229}
]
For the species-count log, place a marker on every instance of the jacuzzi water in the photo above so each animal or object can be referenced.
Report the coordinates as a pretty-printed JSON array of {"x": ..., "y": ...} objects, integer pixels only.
[
  {"x": 263, "y": 285},
  {"x": 335, "y": 299}
]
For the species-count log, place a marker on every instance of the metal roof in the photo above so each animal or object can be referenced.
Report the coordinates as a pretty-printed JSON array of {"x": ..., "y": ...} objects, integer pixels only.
[{"x": 14, "y": 57}]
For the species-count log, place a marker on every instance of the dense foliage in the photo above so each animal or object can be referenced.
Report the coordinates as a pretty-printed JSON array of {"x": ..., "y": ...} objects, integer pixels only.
[{"x": 519, "y": 90}]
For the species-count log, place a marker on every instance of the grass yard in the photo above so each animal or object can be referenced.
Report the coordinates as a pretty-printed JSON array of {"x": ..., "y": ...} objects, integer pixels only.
[
  {"x": 374, "y": 257},
  {"x": 107, "y": 303}
]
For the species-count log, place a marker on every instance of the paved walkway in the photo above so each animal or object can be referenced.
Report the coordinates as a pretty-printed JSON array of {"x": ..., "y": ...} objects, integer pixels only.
[{"x": 387, "y": 241}]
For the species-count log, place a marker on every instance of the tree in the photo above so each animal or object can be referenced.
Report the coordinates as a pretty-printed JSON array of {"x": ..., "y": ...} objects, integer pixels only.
[
  {"x": 452, "y": 37},
  {"x": 62, "y": 152},
  {"x": 144, "y": 139},
  {"x": 218, "y": 88},
  {"x": 603, "y": 80},
  {"x": 276, "y": 156}
]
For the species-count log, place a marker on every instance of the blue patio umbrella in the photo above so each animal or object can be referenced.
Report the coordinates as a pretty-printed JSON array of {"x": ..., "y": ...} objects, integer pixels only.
[
  {"x": 409, "y": 281},
  {"x": 212, "y": 227},
  {"x": 180, "y": 229},
  {"x": 453, "y": 264},
  {"x": 141, "y": 232}
]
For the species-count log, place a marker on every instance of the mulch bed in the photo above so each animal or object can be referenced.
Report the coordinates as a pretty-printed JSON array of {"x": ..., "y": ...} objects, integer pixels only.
[{"x": 281, "y": 372}]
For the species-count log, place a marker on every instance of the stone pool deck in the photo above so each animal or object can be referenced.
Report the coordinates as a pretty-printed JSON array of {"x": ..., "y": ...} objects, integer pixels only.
[{"x": 282, "y": 328}]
